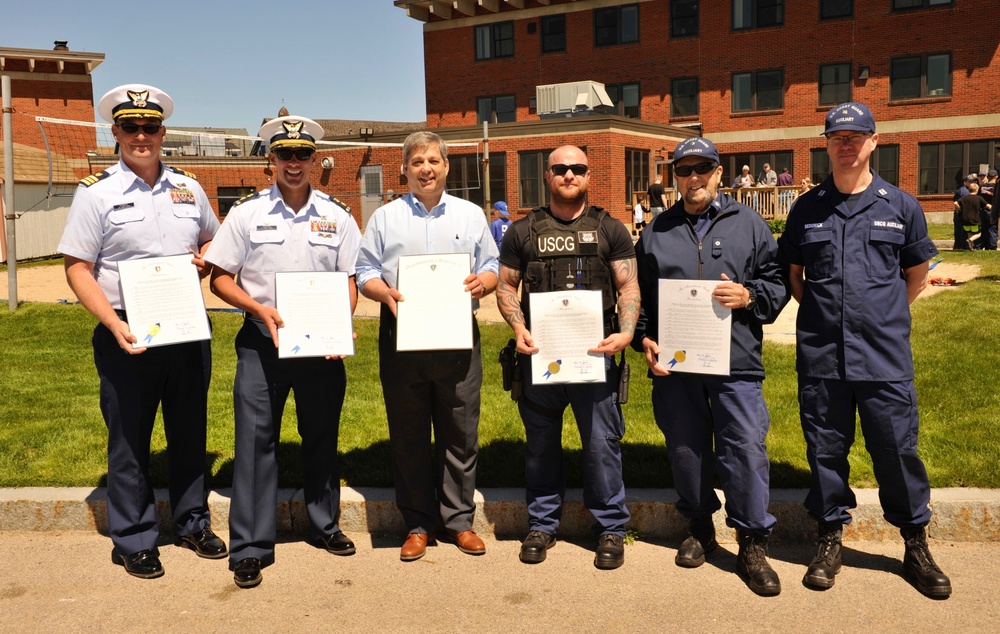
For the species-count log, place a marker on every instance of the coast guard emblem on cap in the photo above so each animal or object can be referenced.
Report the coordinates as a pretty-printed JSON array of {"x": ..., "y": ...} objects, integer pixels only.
[
  {"x": 138, "y": 98},
  {"x": 293, "y": 128}
]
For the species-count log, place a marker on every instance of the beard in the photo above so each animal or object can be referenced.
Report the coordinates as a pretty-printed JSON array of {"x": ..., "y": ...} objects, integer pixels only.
[{"x": 559, "y": 198}]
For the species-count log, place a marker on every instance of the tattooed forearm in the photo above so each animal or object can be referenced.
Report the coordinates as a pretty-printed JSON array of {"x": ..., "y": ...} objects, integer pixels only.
[
  {"x": 508, "y": 300},
  {"x": 627, "y": 282}
]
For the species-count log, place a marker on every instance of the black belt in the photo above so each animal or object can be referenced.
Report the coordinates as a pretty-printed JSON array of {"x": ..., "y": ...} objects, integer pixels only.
[{"x": 122, "y": 315}]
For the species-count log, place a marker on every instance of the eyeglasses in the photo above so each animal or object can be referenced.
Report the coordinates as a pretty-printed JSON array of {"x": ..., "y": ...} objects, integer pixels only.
[
  {"x": 700, "y": 168},
  {"x": 847, "y": 139},
  {"x": 302, "y": 154},
  {"x": 579, "y": 169},
  {"x": 132, "y": 128}
]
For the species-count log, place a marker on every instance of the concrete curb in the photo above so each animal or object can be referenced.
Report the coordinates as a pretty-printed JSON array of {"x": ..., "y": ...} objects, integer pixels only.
[{"x": 961, "y": 515}]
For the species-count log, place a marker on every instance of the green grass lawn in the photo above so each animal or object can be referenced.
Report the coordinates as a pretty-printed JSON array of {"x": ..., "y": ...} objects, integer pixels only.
[{"x": 52, "y": 434}]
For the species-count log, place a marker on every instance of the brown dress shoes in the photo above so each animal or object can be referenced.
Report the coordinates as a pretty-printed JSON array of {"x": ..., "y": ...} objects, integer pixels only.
[
  {"x": 415, "y": 546},
  {"x": 467, "y": 541}
]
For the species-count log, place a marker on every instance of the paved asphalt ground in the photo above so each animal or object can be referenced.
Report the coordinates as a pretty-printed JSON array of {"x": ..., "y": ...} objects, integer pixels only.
[{"x": 64, "y": 582}]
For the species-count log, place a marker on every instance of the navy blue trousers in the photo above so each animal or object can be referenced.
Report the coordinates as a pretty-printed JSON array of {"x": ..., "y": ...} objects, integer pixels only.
[
  {"x": 599, "y": 419},
  {"x": 889, "y": 422},
  {"x": 717, "y": 423},
  {"x": 132, "y": 388},
  {"x": 263, "y": 382}
]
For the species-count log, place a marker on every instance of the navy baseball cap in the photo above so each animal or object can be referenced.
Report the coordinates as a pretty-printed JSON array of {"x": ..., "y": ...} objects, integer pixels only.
[
  {"x": 696, "y": 146},
  {"x": 852, "y": 116}
]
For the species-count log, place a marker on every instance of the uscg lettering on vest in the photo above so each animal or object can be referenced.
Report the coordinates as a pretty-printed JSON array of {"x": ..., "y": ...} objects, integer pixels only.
[{"x": 556, "y": 244}]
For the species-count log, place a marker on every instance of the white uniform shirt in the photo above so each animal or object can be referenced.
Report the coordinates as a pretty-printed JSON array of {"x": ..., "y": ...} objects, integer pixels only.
[
  {"x": 263, "y": 235},
  {"x": 406, "y": 227},
  {"x": 119, "y": 217}
]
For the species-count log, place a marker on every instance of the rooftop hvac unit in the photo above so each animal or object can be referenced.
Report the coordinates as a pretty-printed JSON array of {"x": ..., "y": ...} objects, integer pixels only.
[{"x": 574, "y": 99}]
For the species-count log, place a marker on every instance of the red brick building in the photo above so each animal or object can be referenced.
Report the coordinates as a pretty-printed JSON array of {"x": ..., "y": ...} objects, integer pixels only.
[{"x": 755, "y": 76}]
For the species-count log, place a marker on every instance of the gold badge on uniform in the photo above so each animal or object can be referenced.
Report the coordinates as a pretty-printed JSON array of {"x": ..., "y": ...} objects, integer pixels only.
[
  {"x": 292, "y": 128},
  {"x": 138, "y": 98}
]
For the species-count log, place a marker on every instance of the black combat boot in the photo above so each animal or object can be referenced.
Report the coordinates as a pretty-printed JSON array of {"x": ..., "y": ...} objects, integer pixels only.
[
  {"x": 700, "y": 542},
  {"x": 752, "y": 566},
  {"x": 826, "y": 564},
  {"x": 919, "y": 565}
]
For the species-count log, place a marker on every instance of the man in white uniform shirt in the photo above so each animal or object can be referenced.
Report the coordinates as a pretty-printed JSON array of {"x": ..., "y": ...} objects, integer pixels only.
[{"x": 287, "y": 227}]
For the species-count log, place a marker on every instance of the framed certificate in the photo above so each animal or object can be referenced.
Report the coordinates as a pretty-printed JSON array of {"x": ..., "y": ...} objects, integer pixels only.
[
  {"x": 316, "y": 309},
  {"x": 436, "y": 311},
  {"x": 695, "y": 330},
  {"x": 164, "y": 301},
  {"x": 564, "y": 326}
]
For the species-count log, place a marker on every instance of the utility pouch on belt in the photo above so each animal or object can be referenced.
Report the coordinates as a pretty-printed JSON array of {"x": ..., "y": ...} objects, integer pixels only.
[
  {"x": 623, "y": 376},
  {"x": 511, "y": 370}
]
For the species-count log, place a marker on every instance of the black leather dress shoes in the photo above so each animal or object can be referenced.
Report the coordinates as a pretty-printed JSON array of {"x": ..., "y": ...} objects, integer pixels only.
[
  {"x": 144, "y": 564},
  {"x": 206, "y": 543},
  {"x": 338, "y": 544},
  {"x": 246, "y": 573}
]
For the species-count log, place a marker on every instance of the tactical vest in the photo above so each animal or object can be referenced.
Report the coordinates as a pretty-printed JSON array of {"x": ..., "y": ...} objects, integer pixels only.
[{"x": 567, "y": 257}]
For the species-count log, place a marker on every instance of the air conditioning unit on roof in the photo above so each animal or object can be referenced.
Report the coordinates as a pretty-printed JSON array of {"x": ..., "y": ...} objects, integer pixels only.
[{"x": 574, "y": 99}]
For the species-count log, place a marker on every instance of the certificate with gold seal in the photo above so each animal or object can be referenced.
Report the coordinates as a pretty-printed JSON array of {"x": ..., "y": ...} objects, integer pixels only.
[
  {"x": 695, "y": 330},
  {"x": 564, "y": 326},
  {"x": 163, "y": 300}
]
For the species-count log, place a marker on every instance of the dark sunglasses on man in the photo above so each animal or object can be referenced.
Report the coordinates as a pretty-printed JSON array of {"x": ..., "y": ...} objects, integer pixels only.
[
  {"x": 132, "y": 128},
  {"x": 578, "y": 169},
  {"x": 700, "y": 168},
  {"x": 302, "y": 154}
]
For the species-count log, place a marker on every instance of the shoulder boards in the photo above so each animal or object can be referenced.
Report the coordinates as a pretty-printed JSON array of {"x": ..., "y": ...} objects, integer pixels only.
[
  {"x": 93, "y": 178},
  {"x": 177, "y": 170},
  {"x": 342, "y": 204},
  {"x": 246, "y": 198}
]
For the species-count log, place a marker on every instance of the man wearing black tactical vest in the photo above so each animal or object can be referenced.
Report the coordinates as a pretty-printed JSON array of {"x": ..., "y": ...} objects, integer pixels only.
[{"x": 571, "y": 238}]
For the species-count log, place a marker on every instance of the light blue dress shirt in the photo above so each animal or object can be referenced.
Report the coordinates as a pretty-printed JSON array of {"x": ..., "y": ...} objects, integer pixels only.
[{"x": 406, "y": 227}]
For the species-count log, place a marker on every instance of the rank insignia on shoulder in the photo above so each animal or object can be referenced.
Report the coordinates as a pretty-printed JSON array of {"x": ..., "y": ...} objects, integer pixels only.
[
  {"x": 177, "y": 170},
  {"x": 94, "y": 178},
  {"x": 246, "y": 198},
  {"x": 342, "y": 204}
]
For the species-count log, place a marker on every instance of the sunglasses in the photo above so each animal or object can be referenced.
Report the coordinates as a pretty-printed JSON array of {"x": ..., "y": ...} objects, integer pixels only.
[
  {"x": 132, "y": 128},
  {"x": 285, "y": 154},
  {"x": 578, "y": 169},
  {"x": 700, "y": 168}
]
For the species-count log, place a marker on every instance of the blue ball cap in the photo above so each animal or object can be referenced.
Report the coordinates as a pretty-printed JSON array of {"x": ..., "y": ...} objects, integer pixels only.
[
  {"x": 501, "y": 207},
  {"x": 696, "y": 146},
  {"x": 852, "y": 116}
]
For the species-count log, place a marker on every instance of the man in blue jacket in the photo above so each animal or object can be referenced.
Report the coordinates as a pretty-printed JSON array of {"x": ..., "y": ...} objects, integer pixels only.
[{"x": 707, "y": 235}]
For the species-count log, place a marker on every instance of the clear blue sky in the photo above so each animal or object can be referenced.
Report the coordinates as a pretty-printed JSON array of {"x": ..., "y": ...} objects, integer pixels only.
[{"x": 229, "y": 63}]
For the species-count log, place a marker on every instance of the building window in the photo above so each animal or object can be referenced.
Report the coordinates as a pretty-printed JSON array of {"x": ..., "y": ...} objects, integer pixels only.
[
  {"x": 684, "y": 97},
  {"x": 229, "y": 195},
  {"x": 531, "y": 174},
  {"x": 834, "y": 84},
  {"x": 683, "y": 18},
  {"x": 750, "y": 14},
  {"x": 626, "y": 99},
  {"x": 553, "y": 33},
  {"x": 920, "y": 76},
  {"x": 759, "y": 90},
  {"x": 943, "y": 165},
  {"x": 836, "y": 9},
  {"x": 732, "y": 164},
  {"x": 465, "y": 177},
  {"x": 636, "y": 173},
  {"x": 500, "y": 109},
  {"x": 616, "y": 25},
  {"x": 495, "y": 40},
  {"x": 885, "y": 162},
  {"x": 918, "y": 4}
]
